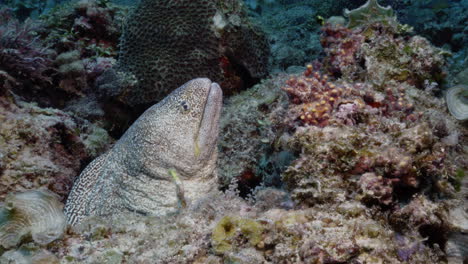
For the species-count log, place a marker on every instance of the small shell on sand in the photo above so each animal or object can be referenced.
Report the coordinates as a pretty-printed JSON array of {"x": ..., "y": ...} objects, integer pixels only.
[
  {"x": 36, "y": 213},
  {"x": 457, "y": 101}
]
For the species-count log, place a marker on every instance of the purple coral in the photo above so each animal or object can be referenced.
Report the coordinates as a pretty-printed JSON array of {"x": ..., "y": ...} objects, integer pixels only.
[
  {"x": 376, "y": 188},
  {"x": 406, "y": 249}
]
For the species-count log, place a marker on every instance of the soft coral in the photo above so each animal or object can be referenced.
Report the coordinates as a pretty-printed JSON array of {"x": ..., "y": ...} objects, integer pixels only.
[{"x": 22, "y": 55}]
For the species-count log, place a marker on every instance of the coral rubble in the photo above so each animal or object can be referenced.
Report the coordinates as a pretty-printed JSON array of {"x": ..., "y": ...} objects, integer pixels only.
[{"x": 208, "y": 232}]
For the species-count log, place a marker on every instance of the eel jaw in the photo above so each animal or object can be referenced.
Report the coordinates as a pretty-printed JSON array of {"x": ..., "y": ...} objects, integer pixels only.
[{"x": 209, "y": 125}]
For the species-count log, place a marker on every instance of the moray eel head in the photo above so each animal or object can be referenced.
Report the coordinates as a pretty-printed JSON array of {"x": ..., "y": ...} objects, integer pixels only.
[{"x": 181, "y": 131}]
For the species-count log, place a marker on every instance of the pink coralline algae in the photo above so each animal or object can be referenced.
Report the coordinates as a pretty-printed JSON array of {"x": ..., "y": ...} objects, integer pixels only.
[
  {"x": 316, "y": 96},
  {"x": 341, "y": 45},
  {"x": 385, "y": 136},
  {"x": 317, "y": 100}
]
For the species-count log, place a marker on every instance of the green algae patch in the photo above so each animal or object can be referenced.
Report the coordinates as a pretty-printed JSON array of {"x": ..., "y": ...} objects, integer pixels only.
[
  {"x": 252, "y": 230},
  {"x": 460, "y": 174},
  {"x": 229, "y": 228},
  {"x": 222, "y": 234}
]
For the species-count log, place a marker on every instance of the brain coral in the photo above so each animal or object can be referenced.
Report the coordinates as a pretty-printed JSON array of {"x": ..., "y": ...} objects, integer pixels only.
[{"x": 165, "y": 43}]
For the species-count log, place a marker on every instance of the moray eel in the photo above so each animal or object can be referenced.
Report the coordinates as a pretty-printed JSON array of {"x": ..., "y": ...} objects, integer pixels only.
[{"x": 178, "y": 134}]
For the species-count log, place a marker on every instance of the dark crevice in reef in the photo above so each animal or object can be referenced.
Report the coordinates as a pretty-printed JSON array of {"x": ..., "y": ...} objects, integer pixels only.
[
  {"x": 404, "y": 193},
  {"x": 267, "y": 172},
  {"x": 434, "y": 235},
  {"x": 241, "y": 71},
  {"x": 247, "y": 182},
  {"x": 120, "y": 117}
]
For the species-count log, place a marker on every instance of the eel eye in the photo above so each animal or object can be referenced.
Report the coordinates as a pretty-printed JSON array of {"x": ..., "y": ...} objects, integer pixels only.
[{"x": 184, "y": 105}]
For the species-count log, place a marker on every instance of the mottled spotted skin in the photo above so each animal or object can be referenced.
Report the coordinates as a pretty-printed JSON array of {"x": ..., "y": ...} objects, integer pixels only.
[{"x": 180, "y": 133}]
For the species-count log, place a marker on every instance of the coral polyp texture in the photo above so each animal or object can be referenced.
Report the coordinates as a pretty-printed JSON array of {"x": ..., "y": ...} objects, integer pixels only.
[
  {"x": 166, "y": 43},
  {"x": 457, "y": 101}
]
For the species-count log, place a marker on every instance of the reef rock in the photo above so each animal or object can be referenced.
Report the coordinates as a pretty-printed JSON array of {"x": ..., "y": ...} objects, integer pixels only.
[
  {"x": 43, "y": 147},
  {"x": 247, "y": 137}
]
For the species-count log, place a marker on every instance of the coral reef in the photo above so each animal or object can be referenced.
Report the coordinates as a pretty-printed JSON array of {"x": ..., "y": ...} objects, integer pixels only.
[
  {"x": 89, "y": 26},
  {"x": 273, "y": 235},
  {"x": 350, "y": 159},
  {"x": 166, "y": 43},
  {"x": 456, "y": 247},
  {"x": 207, "y": 232},
  {"x": 229, "y": 229},
  {"x": 293, "y": 28},
  {"x": 57, "y": 58},
  {"x": 25, "y": 63},
  {"x": 26, "y": 8},
  {"x": 254, "y": 158},
  {"x": 44, "y": 147},
  {"x": 385, "y": 56},
  {"x": 84, "y": 34},
  {"x": 367, "y": 133},
  {"x": 29, "y": 253},
  {"x": 370, "y": 134},
  {"x": 443, "y": 22}
]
